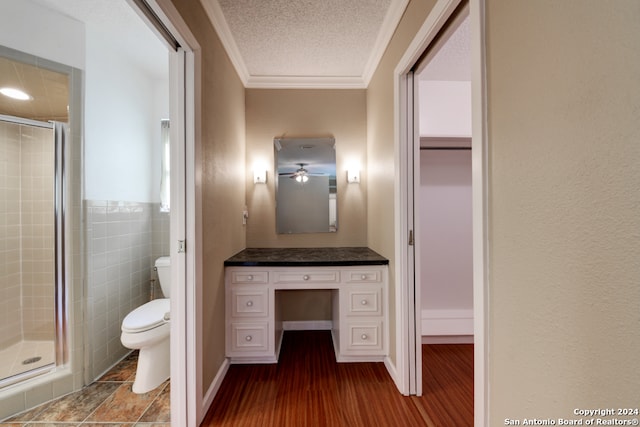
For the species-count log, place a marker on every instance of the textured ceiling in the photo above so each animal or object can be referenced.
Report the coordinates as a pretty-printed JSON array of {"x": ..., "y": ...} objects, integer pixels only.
[
  {"x": 453, "y": 61},
  {"x": 304, "y": 43},
  {"x": 278, "y": 43}
]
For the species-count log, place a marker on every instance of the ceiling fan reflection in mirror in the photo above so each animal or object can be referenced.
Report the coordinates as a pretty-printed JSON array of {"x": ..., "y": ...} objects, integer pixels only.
[{"x": 301, "y": 175}]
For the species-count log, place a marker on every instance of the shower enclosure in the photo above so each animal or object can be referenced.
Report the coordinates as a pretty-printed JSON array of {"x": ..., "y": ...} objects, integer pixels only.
[{"x": 32, "y": 296}]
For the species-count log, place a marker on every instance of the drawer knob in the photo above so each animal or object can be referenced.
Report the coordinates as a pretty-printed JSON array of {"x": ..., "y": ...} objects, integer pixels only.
[
  {"x": 250, "y": 277},
  {"x": 249, "y": 303},
  {"x": 248, "y": 338},
  {"x": 363, "y": 302},
  {"x": 305, "y": 277},
  {"x": 364, "y": 337},
  {"x": 363, "y": 277}
]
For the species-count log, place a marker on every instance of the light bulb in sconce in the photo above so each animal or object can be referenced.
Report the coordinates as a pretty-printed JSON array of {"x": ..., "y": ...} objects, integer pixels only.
[
  {"x": 353, "y": 176},
  {"x": 259, "y": 176}
]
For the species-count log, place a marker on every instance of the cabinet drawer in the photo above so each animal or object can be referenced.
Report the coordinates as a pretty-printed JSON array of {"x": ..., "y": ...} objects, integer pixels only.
[
  {"x": 249, "y": 303},
  {"x": 244, "y": 277},
  {"x": 311, "y": 276},
  {"x": 364, "y": 301},
  {"x": 364, "y": 336},
  {"x": 364, "y": 276},
  {"x": 249, "y": 336}
]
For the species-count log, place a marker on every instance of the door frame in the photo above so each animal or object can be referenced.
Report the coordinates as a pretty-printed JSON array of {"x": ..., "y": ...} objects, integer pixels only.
[
  {"x": 409, "y": 334},
  {"x": 185, "y": 243}
]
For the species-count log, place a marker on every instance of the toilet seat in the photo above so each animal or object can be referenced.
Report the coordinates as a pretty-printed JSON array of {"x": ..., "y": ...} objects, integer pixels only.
[{"x": 148, "y": 316}]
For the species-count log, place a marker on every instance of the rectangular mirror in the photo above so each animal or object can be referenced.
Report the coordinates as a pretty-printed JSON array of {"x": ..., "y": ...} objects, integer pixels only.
[{"x": 306, "y": 185}]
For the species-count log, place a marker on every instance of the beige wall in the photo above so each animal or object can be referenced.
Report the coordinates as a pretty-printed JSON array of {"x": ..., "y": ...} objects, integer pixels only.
[
  {"x": 564, "y": 201},
  {"x": 306, "y": 113},
  {"x": 564, "y": 210},
  {"x": 381, "y": 152},
  {"x": 220, "y": 188}
]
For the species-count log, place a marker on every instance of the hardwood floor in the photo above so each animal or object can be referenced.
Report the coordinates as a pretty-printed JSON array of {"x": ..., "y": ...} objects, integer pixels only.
[
  {"x": 447, "y": 384},
  {"x": 308, "y": 388}
]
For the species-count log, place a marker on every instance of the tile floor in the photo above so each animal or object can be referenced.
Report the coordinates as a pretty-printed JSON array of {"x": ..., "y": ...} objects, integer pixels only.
[{"x": 108, "y": 402}]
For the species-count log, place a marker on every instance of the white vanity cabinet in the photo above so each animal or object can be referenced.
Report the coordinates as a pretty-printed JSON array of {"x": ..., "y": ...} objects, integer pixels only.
[
  {"x": 359, "y": 298},
  {"x": 249, "y": 315},
  {"x": 359, "y": 321}
]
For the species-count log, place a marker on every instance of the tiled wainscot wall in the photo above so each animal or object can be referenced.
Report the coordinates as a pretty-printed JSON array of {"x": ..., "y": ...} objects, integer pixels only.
[{"x": 123, "y": 239}]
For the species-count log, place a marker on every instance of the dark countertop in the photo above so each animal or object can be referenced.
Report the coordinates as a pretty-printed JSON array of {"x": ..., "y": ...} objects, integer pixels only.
[{"x": 305, "y": 257}]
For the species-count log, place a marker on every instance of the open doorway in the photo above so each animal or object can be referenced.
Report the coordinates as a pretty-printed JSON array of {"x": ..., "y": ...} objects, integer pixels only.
[
  {"x": 444, "y": 206},
  {"x": 164, "y": 19},
  {"x": 443, "y": 217},
  {"x": 463, "y": 317}
]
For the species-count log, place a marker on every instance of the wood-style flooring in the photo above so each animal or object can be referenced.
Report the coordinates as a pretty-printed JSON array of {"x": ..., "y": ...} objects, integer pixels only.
[{"x": 308, "y": 388}]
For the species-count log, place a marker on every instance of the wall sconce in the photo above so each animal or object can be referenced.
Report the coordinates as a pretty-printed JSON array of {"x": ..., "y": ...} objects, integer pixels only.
[
  {"x": 353, "y": 176},
  {"x": 259, "y": 176}
]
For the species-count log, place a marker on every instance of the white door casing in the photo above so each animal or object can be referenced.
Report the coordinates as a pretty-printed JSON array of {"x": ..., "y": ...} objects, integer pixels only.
[
  {"x": 407, "y": 289},
  {"x": 186, "y": 402}
]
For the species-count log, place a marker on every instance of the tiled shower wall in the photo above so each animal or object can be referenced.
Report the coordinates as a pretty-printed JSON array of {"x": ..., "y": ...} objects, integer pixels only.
[
  {"x": 10, "y": 293},
  {"x": 38, "y": 233},
  {"x": 26, "y": 209},
  {"x": 123, "y": 240}
]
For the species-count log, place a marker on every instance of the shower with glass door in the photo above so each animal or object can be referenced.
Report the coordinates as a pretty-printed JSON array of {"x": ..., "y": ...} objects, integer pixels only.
[{"x": 32, "y": 292}]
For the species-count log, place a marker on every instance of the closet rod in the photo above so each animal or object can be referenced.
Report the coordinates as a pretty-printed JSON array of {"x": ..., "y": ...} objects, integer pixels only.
[{"x": 445, "y": 148}]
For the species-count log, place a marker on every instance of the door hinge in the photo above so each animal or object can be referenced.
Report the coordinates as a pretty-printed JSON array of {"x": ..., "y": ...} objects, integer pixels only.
[
  {"x": 182, "y": 246},
  {"x": 410, "y": 237}
]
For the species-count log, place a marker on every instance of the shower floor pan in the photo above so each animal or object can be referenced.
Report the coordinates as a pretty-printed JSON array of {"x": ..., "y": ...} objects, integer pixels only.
[{"x": 23, "y": 357}]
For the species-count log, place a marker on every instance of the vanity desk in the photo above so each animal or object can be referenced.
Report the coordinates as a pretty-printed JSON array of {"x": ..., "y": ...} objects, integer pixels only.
[{"x": 357, "y": 278}]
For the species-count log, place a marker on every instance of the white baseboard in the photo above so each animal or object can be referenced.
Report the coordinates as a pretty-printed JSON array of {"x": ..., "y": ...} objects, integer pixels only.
[
  {"x": 393, "y": 373},
  {"x": 447, "y": 322},
  {"x": 213, "y": 389},
  {"x": 307, "y": 325},
  {"x": 447, "y": 339}
]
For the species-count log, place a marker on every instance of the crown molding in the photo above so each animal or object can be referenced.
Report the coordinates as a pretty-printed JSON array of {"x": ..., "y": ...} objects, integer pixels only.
[
  {"x": 304, "y": 82},
  {"x": 389, "y": 25},
  {"x": 388, "y": 28},
  {"x": 214, "y": 12}
]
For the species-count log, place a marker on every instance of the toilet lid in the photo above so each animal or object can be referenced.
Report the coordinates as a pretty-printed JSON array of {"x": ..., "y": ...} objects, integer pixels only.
[{"x": 147, "y": 316}]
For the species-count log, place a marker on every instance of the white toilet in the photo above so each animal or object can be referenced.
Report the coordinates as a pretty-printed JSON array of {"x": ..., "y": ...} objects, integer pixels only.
[{"x": 147, "y": 328}]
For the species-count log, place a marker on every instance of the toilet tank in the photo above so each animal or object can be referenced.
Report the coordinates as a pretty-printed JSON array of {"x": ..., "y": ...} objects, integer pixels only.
[{"x": 163, "y": 266}]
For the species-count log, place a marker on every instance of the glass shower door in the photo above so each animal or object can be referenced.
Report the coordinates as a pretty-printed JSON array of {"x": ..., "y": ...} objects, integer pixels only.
[{"x": 27, "y": 248}]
